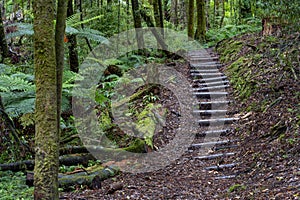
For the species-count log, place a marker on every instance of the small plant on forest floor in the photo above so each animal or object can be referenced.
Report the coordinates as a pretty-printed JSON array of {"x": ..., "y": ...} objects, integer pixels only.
[
  {"x": 13, "y": 186},
  {"x": 236, "y": 187}
]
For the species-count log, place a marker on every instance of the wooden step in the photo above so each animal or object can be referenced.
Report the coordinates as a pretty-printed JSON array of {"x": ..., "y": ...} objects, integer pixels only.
[
  {"x": 214, "y": 156},
  {"x": 213, "y": 133},
  {"x": 207, "y": 144},
  {"x": 199, "y": 66},
  {"x": 206, "y": 80},
  {"x": 202, "y": 58},
  {"x": 219, "y": 87},
  {"x": 225, "y": 177},
  {"x": 221, "y": 167},
  {"x": 203, "y": 70},
  {"x": 210, "y": 112},
  {"x": 213, "y": 102},
  {"x": 214, "y": 83},
  {"x": 204, "y": 75},
  {"x": 207, "y": 63},
  {"x": 210, "y": 94},
  {"x": 218, "y": 121}
]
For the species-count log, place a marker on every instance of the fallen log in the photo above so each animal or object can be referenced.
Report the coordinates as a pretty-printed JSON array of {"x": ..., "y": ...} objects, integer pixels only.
[
  {"x": 73, "y": 150},
  {"x": 67, "y": 160},
  {"x": 91, "y": 179}
]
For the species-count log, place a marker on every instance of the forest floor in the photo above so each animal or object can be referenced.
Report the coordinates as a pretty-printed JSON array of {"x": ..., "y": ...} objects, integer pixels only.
[{"x": 268, "y": 129}]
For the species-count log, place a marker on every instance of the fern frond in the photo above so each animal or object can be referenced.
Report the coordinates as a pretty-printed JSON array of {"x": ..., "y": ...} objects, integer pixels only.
[
  {"x": 87, "y": 20},
  {"x": 19, "y": 103},
  {"x": 15, "y": 83},
  {"x": 5, "y": 69},
  {"x": 95, "y": 37},
  {"x": 71, "y": 31},
  {"x": 21, "y": 29},
  {"x": 73, "y": 19}
]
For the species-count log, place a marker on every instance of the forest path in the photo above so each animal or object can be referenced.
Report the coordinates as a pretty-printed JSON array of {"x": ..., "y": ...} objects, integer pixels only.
[
  {"x": 213, "y": 143},
  {"x": 208, "y": 168}
]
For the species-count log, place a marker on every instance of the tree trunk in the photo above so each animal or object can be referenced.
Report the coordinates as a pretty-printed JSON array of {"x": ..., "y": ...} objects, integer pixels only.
[
  {"x": 3, "y": 43},
  {"x": 223, "y": 13},
  {"x": 156, "y": 13},
  {"x": 161, "y": 16},
  {"x": 46, "y": 135},
  {"x": 207, "y": 4},
  {"x": 183, "y": 13},
  {"x": 137, "y": 24},
  {"x": 174, "y": 12},
  {"x": 191, "y": 10},
  {"x": 157, "y": 35},
  {"x": 201, "y": 21},
  {"x": 73, "y": 54},
  {"x": 60, "y": 52}
]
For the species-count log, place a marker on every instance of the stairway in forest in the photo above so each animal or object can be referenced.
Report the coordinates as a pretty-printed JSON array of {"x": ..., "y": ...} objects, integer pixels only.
[{"x": 212, "y": 145}]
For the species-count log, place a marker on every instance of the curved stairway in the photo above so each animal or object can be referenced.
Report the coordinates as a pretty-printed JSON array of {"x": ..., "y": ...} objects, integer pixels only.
[{"x": 212, "y": 145}]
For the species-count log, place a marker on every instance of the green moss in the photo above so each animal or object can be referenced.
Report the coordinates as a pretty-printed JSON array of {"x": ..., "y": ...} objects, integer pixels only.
[
  {"x": 148, "y": 121},
  {"x": 241, "y": 77},
  {"x": 236, "y": 187},
  {"x": 229, "y": 50},
  {"x": 138, "y": 146},
  {"x": 105, "y": 121}
]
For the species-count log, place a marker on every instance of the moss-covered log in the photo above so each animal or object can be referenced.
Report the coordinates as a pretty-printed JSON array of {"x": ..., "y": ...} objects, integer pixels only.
[
  {"x": 67, "y": 160},
  {"x": 90, "y": 179},
  {"x": 73, "y": 150}
]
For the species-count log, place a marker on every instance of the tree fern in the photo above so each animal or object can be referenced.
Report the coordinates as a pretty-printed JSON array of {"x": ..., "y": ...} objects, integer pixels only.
[
  {"x": 18, "y": 94},
  {"x": 21, "y": 29},
  {"x": 90, "y": 34},
  {"x": 27, "y": 30}
]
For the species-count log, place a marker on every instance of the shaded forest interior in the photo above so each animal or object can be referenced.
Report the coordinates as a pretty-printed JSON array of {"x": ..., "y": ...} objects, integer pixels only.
[{"x": 47, "y": 47}]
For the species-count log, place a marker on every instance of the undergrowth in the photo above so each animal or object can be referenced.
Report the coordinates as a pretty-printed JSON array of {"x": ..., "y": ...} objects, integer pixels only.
[{"x": 12, "y": 186}]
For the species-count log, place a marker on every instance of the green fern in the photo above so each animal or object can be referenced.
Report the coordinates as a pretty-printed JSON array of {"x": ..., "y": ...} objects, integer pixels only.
[
  {"x": 22, "y": 29},
  {"x": 92, "y": 35},
  {"x": 18, "y": 93},
  {"x": 27, "y": 30}
]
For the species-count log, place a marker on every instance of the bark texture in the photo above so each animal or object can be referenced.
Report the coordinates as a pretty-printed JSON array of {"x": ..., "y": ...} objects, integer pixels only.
[
  {"x": 60, "y": 52},
  {"x": 191, "y": 9},
  {"x": 3, "y": 43},
  {"x": 73, "y": 54},
  {"x": 46, "y": 135},
  {"x": 138, "y": 23},
  {"x": 201, "y": 20}
]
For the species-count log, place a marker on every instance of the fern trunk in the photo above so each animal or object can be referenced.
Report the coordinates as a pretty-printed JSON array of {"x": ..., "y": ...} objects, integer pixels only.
[{"x": 46, "y": 135}]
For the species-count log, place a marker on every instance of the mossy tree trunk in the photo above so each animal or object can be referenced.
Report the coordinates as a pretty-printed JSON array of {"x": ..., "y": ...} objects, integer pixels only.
[
  {"x": 73, "y": 54},
  {"x": 191, "y": 9},
  {"x": 137, "y": 23},
  {"x": 46, "y": 105},
  {"x": 60, "y": 28},
  {"x": 201, "y": 20}
]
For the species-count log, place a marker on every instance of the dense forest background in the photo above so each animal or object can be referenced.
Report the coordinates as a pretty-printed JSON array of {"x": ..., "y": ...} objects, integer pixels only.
[{"x": 43, "y": 44}]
